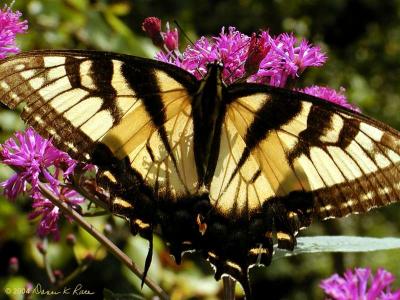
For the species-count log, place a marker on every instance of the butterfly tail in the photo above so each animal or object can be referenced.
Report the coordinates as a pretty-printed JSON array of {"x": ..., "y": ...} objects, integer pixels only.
[{"x": 148, "y": 261}]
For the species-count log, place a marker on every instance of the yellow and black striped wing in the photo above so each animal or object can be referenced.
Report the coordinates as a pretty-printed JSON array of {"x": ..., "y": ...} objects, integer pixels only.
[
  {"x": 140, "y": 109},
  {"x": 275, "y": 142}
]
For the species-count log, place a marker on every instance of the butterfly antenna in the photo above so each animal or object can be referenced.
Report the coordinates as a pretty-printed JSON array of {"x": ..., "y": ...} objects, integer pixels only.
[
  {"x": 148, "y": 260},
  {"x": 189, "y": 40},
  {"x": 183, "y": 32}
]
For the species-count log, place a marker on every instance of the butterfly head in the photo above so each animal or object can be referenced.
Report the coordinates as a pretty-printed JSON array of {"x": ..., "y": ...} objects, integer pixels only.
[{"x": 214, "y": 78}]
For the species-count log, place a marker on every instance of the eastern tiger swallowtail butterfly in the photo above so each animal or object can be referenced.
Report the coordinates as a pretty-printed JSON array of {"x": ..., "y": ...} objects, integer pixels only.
[{"x": 223, "y": 170}]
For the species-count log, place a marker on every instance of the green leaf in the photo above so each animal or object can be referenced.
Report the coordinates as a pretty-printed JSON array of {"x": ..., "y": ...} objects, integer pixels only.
[
  {"x": 338, "y": 244},
  {"x": 10, "y": 121}
]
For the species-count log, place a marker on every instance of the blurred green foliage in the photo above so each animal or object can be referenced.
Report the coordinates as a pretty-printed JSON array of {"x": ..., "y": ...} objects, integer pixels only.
[{"x": 362, "y": 40}]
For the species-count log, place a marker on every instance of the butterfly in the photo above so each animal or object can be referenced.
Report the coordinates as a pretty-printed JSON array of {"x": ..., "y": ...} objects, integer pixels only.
[{"x": 223, "y": 170}]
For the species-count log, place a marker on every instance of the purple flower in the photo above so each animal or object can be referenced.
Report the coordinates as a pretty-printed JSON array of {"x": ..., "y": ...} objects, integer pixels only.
[
  {"x": 360, "y": 285},
  {"x": 171, "y": 38},
  {"x": 286, "y": 60},
  {"x": 329, "y": 94},
  {"x": 13, "y": 265},
  {"x": 33, "y": 157},
  {"x": 10, "y": 26},
  {"x": 260, "y": 59},
  {"x": 50, "y": 214},
  {"x": 230, "y": 48}
]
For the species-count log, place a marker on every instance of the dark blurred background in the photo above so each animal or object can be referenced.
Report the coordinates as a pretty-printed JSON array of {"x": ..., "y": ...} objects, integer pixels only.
[{"x": 362, "y": 41}]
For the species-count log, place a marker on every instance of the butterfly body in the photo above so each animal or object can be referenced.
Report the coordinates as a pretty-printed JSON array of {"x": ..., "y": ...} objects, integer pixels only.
[
  {"x": 207, "y": 113},
  {"x": 224, "y": 170}
]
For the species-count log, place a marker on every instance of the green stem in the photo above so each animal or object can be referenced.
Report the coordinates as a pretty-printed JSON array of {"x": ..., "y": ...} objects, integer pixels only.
[
  {"x": 95, "y": 214},
  {"x": 49, "y": 270}
]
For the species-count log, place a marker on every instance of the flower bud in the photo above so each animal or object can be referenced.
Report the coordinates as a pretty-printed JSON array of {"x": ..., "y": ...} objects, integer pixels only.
[
  {"x": 88, "y": 258},
  {"x": 152, "y": 26},
  {"x": 258, "y": 49},
  {"x": 71, "y": 239},
  {"x": 13, "y": 265},
  {"x": 41, "y": 247},
  {"x": 28, "y": 286},
  {"x": 171, "y": 38},
  {"x": 58, "y": 274}
]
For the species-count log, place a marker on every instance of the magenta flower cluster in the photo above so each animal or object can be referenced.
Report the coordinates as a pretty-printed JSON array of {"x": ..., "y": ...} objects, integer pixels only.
[
  {"x": 360, "y": 284},
  {"x": 261, "y": 58},
  {"x": 286, "y": 59},
  {"x": 329, "y": 94},
  {"x": 36, "y": 159},
  {"x": 10, "y": 26},
  {"x": 33, "y": 158}
]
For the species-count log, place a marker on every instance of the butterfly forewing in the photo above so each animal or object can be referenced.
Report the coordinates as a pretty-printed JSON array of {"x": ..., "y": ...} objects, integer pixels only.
[
  {"x": 349, "y": 162},
  {"x": 81, "y": 98}
]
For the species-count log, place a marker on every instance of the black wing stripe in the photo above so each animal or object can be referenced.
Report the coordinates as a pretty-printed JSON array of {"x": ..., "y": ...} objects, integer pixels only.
[
  {"x": 348, "y": 133},
  {"x": 318, "y": 123},
  {"x": 276, "y": 112},
  {"x": 151, "y": 96},
  {"x": 263, "y": 154}
]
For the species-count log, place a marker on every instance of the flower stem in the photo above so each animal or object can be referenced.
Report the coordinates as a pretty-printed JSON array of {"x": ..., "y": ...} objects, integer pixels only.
[
  {"x": 46, "y": 262},
  {"x": 103, "y": 240},
  {"x": 80, "y": 269}
]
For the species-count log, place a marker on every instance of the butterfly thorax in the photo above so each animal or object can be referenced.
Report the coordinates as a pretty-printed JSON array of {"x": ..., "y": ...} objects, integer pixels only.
[{"x": 208, "y": 112}]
